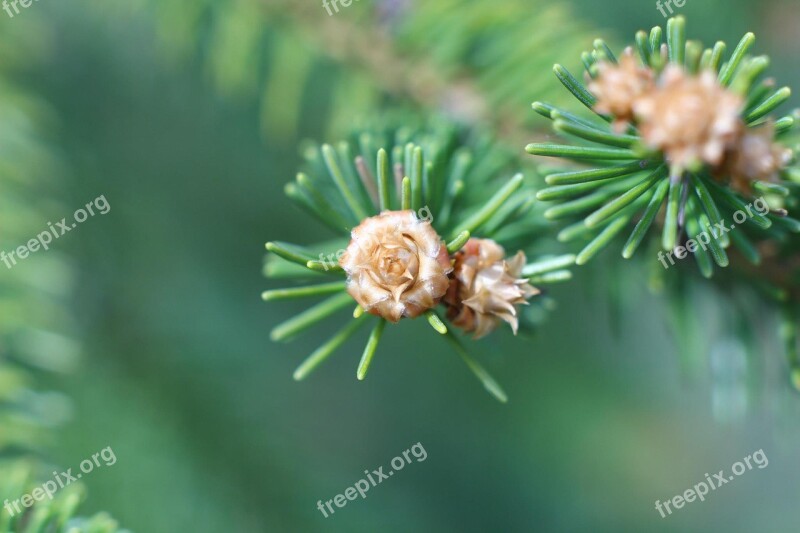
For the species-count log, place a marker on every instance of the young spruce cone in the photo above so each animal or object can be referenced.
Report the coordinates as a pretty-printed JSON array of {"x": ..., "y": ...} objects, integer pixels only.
[
  {"x": 396, "y": 265},
  {"x": 486, "y": 288}
]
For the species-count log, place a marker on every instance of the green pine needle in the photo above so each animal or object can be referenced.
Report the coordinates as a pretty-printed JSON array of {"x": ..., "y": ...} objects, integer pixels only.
[
  {"x": 485, "y": 378},
  {"x": 327, "y": 349},
  {"x": 676, "y": 39},
  {"x": 458, "y": 243},
  {"x": 289, "y": 252},
  {"x": 490, "y": 208},
  {"x": 369, "y": 349},
  {"x": 548, "y": 265},
  {"x": 384, "y": 177},
  {"x": 324, "y": 266},
  {"x": 574, "y": 86},
  {"x": 556, "y": 276},
  {"x": 729, "y": 68},
  {"x": 345, "y": 189},
  {"x": 646, "y": 221},
  {"x": 602, "y": 240},
  {"x": 310, "y": 317},
  {"x": 769, "y": 105},
  {"x": 623, "y": 201},
  {"x": 670, "y": 236},
  {"x": 596, "y": 174},
  {"x": 579, "y": 152},
  {"x": 406, "y": 194},
  {"x": 303, "y": 292},
  {"x": 436, "y": 322}
]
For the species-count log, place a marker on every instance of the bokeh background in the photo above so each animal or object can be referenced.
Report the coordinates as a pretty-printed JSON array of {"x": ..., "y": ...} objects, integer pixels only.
[{"x": 192, "y": 145}]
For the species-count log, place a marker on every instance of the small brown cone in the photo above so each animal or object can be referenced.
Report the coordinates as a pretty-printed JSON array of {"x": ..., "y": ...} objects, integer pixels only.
[
  {"x": 486, "y": 288},
  {"x": 754, "y": 158},
  {"x": 396, "y": 265},
  {"x": 619, "y": 87},
  {"x": 692, "y": 119}
]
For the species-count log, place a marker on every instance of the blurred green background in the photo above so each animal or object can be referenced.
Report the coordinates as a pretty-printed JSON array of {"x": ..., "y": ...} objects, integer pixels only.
[{"x": 180, "y": 377}]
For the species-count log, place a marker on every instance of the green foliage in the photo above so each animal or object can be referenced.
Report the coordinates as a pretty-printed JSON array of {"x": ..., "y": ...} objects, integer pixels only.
[
  {"x": 468, "y": 59},
  {"x": 34, "y": 326},
  {"x": 460, "y": 180},
  {"x": 57, "y": 515},
  {"x": 478, "y": 61},
  {"x": 628, "y": 183}
]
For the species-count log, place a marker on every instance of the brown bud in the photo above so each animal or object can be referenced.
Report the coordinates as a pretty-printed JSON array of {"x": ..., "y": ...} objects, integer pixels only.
[
  {"x": 692, "y": 119},
  {"x": 486, "y": 288},
  {"x": 754, "y": 158},
  {"x": 396, "y": 265},
  {"x": 619, "y": 87}
]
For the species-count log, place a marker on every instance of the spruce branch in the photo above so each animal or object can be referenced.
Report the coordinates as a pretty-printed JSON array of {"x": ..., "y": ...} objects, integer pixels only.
[
  {"x": 407, "y": 54},
  {"x": 690, "y": 180},
  {"x": 722, "y": 155},
  {"x": 446, "y": 179}
]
